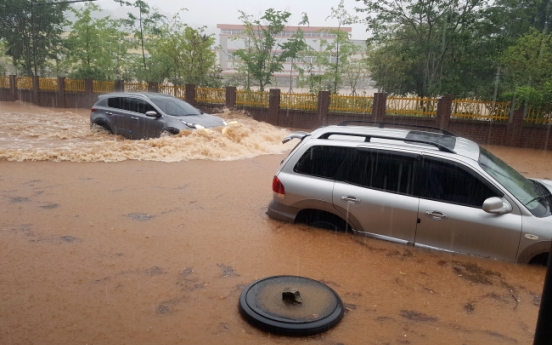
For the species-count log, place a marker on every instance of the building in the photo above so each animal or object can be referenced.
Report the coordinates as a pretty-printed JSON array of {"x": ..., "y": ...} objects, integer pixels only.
[{"x": 230, "y": 41}]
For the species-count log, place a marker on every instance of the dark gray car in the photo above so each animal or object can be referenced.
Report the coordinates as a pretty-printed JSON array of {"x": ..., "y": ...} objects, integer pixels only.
[{"x": 148, "y": 115}]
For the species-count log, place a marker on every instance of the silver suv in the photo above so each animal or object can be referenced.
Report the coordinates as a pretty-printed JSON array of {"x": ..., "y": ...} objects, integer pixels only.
[{"x": 422, "y": 186}]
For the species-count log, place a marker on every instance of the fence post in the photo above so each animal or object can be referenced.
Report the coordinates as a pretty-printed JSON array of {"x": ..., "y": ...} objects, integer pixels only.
[
  {"x": 13, "y": 87},
  {"x": 230, "y": 97},
  {"x": 61, "y": 92},
  {"x": 89, "y": 91},
  {"x": 273, "y": 106},
  {"x": 119, "y": 85},
  {"x": 153, "y": 86},
  {"x": 515, "y": 127},
  {"x": 323, "y": 107},
  {"x": 36, "y": 85},
  {"x": 190, "y": 94},
  {"x": 444, "y": 110},
  {"x": 378, "y": 107}
]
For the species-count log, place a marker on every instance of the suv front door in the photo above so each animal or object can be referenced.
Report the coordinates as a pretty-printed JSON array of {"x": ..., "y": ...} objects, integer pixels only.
[
  {"x": 376, "y": 187},
  {"x": 451, "y": 217}
]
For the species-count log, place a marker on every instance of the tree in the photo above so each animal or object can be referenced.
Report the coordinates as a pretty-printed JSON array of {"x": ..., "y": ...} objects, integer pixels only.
[
  {"x": 147, "y": 24},
  {"x": 261, "y": 57},
  {"x": 437, "y": 38},
  {"x": 30, "y": 30},
  {"x": 96, "y": 48},
  {"x": 189, "y": 52}
]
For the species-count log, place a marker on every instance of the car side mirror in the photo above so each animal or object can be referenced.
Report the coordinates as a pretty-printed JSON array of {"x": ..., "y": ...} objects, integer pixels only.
[
  {"x": 496, "y": 205},
  {"x": 152, "y": 113}
]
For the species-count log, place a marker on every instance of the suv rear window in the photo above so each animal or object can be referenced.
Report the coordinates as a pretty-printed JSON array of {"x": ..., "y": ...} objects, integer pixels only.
[{"x": 322, "y": 161}]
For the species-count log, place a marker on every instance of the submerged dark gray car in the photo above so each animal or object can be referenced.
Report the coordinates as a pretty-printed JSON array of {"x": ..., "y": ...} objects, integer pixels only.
[{"x": 148, "y": 115}]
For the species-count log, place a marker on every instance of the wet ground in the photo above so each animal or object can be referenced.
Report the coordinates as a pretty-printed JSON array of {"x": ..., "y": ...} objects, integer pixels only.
[{"x": 150, "y": 252}]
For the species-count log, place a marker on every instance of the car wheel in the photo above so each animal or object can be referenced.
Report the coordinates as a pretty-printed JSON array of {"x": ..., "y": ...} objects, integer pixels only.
[
  {"x": 321, "y": 219},
  {"x": 104, "y": 126},
  {"x": 539, "y": 260}
]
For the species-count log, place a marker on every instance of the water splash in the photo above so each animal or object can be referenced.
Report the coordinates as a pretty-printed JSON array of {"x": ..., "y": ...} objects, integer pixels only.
[{"x": 30, "y": 133}]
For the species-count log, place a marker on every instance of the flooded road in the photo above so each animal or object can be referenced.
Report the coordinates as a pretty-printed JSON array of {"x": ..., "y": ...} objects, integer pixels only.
[{"x": 150, "y": 252}]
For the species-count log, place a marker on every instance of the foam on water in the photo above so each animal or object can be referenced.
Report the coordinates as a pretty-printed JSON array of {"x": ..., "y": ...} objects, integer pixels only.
[{"x": 38, "y": 134}]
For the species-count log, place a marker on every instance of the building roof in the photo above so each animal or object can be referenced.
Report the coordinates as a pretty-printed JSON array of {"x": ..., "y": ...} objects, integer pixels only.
[{"x": 289, "y": 28}]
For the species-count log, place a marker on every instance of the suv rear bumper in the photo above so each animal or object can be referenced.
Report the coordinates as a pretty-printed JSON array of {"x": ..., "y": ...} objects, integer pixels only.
[{"x": 282, "y": 212}]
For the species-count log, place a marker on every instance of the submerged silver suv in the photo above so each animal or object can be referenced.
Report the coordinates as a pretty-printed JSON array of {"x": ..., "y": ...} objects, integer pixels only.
[{"x": 422, "y": 187}]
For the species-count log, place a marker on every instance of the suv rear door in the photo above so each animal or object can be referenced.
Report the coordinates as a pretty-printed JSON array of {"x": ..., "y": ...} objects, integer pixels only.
[
  {"x": 376, "y": 188},
  {"x": 451, "y": 217}
]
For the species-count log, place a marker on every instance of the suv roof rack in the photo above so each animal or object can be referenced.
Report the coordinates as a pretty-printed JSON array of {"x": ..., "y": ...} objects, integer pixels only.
[
  {"x": 444, "y": 145},
  {"x": 383, "y": 124}
]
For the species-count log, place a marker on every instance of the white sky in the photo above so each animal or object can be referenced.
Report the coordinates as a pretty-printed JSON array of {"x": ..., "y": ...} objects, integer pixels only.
[{"x": 212, "y": 12}]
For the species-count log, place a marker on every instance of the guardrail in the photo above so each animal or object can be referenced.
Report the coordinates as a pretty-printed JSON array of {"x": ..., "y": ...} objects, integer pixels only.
[
  {"x": 25, "y": 83},
  {"x": 351, "y": 104},
  {"x": 72, "y": 85},
  {"x": 252, "y": 98},
  {"x": 178, "y": 91},
  {"x": 470, "y": 109},
  {"x": 411, "y": 106},
  {"x": 539, "y": 116},
  {"x": 210, "y": 95},
  {"x": 299, "y": 101},
  {"x": 103, "y": 86},
  {"x": 4, "y": 82}
]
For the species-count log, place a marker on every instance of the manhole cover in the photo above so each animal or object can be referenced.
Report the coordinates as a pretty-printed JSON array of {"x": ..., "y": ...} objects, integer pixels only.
[{"x": 291, "y": 305}]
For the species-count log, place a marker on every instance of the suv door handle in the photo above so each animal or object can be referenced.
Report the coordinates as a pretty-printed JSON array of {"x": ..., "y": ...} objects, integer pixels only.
[
  {"x": 135, "y": 118},
  {"x": 109, "y": 113},
  {"x": 436, "y": 215},
  {"x": 350, "y": 199}
]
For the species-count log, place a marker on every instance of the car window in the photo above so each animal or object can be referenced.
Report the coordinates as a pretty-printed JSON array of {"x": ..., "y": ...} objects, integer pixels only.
[
  {"x": 382, "y": 170},
  {"x": 175, "y": 106},
  {"x": 452, "y": 183},
  {"x": 323, "y": 161},
  {"x": 115, "y": 102}
]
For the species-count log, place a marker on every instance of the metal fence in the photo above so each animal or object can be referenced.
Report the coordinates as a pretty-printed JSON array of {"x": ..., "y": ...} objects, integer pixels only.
[
  {"x": 174, "y": 90},
  {"x": 136, "y": 87},
  {"x": 539, "y": 116},
  {"x": 252, "y": 98},
  {"x": 103, "y": 86},
  {"x": 49, "y": 84},
  {"x": 411, "y": 106},
  {"x": 24, "y": 83},
  {"x": 72, "y": 85},
  {"x": 210, "y": 95},
  {"x": 351, "y": 104},
  {"x": 470, "y": 109},
  {"x": 4, "y": 82},
  {"x": 299, "y": 101}
]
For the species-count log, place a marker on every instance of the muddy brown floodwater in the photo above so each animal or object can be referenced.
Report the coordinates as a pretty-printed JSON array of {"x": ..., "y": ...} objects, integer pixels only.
[{"x": 155, "y": 246}]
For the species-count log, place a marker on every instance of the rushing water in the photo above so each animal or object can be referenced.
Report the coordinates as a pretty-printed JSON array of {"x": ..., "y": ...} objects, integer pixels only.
[
  {"x": 145, "y": 252},
  {"x": 30, "y": 133}
]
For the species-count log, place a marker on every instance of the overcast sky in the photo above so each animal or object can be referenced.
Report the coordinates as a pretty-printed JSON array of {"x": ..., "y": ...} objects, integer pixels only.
[{"x": 213, "y": 12}]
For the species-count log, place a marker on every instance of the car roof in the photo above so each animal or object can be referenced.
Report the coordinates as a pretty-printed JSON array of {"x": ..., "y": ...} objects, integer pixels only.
[
  {"x": 136, "y": 94},
  {"x": 444, "y": 141}
]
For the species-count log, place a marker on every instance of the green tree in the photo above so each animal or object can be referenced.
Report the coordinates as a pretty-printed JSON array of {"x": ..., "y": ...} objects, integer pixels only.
[
  {"x": 189, "y": 52},
  {"x": 30, "y": 30},
  {"x": 261, "y": 57},
  {"x": 96, "y": 49},
  {"x": 441, "y": 40},
  {"x": 146, "y": 27}
]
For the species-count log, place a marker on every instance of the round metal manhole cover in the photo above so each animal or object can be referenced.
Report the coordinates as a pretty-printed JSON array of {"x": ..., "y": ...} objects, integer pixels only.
[{"x": 291, "y": 305}]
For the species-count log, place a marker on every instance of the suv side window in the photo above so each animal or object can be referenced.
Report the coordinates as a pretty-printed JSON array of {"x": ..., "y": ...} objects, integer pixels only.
[
  {"x": 383, "y": 170},
  {"x": 322, "y": 161},
  {"x": 452, "y": 183},
  {"x": 115, "y": 102}
]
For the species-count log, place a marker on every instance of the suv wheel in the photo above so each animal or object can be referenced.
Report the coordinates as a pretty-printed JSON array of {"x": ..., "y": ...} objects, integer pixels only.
[
  {"x": 321, "y": 219},
  {"x": 539, "y": 260}
]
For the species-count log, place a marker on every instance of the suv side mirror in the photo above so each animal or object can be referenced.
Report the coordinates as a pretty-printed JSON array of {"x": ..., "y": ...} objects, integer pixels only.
[
  {"x": 152, "y": 113},
  {"x": 496, "y": 205}
]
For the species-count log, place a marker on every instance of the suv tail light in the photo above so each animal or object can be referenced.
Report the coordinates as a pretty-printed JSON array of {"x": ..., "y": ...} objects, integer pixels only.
[
  {"x": 278, "y": 188},
  {"x": 93, "y": 109}
]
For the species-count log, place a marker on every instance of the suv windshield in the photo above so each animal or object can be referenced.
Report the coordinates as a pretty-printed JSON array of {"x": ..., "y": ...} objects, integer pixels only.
[
  {"x": 535, "y": 198},
  {"x": 175, "y": 107}
]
